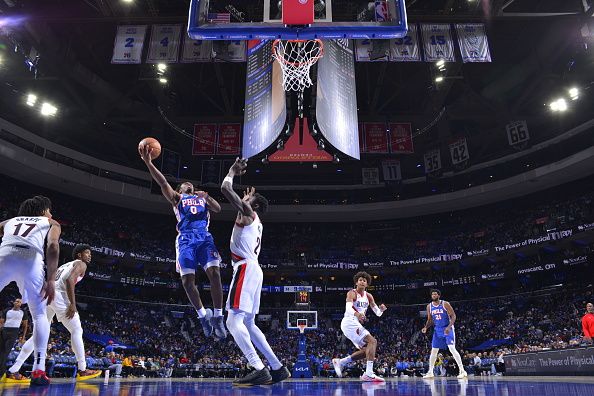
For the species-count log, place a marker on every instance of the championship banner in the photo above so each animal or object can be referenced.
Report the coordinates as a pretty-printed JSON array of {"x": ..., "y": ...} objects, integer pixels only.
[
  {"x": 391, "y": 170},
  {"x": 437, "y": 41},
  {"x": 127, "y": 47},
  {"x": 376, "y": 137},
  {"x": 229, "y": 139},
  {"x": 196, "y": 50},
  {"x": 473, "y": 42},
  {"x": 459, "y": 151},
  {"x": 229, "y": 51},
  {"x": 406, "y": 49},
  {"x": 372, "y": 50},
  {"x": 517, "y": 132},
  {"x": 401, "y": 141},
  {"x": 432, "y": 161},
  {"x": 205, "y": 137},
  {"x": 164, "y": 46}
]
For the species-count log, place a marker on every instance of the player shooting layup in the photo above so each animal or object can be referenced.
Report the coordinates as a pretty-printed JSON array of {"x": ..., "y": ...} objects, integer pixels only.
[
  {"x": 357, "y": 302},
  {"x": 243, "y": 302},
  {"x": 442, "y": 315}
]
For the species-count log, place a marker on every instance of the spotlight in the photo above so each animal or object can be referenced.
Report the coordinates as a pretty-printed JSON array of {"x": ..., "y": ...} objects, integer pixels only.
[
  {"x": 419, "y": 165},
  {"x": 48, "y": 109},
  {"x": 559, "y": 105},
  {"x": 440, "y": 63},
  {"x": 335, "y": 159},
  {"x": 321, "y": 144},
  {"x": 31, "y": 100},
  {"x": 574, "y": 93},
  {"x": 265, "y": 160},
  {"x": 280, "y": 145},
  {"x": 163, "y": 80},
  {"x": 162, "y": 67},
  {"x": 438, "y": 79},
  {"x": 128, "y": 1}
]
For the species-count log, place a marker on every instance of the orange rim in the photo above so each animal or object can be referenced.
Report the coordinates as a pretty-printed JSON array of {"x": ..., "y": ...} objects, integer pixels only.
[{"x": 311, "y": 61}]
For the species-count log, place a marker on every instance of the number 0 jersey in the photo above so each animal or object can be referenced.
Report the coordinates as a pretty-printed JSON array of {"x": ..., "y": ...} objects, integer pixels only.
[
  {"x": 26, "y": 231},
  {"x": 192, "y": 214},
  {"x": 246, "y": 241}
]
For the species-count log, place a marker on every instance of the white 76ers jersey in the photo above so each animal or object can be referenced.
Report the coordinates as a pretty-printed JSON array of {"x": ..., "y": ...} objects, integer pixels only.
[
  {"x": 246, "y": 241},
  {"x": 26, "y": 231},
  {"x": 360, "y": 304},
  {"x": 63, "y": 274}
]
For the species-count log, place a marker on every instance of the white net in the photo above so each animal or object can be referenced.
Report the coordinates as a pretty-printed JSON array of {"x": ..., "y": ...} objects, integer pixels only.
[{"x": 296, "y": 57}]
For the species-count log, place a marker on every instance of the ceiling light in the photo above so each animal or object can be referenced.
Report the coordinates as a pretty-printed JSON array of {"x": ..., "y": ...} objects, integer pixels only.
[
  {"x": 31, "y": 100},
  {"x": 48, "y": 109},
  {"x": 440, "y": 63},
  {"x": 162, "y": 67},
  {"x": 559, "y": 105},
  {"x": 163, "y": 80},
  {"x": 439, "y": 79},
  {"x": 574, "y": 93}
]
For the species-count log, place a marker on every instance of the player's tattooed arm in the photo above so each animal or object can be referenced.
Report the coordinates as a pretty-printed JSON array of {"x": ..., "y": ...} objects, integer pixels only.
[
  {"x": 168, "y": 192},
  {"x": 242, "y": 205},
  {"x": 429, "y": 321}
]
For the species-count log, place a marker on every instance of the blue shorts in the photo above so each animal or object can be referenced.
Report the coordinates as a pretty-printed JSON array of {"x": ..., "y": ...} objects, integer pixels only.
[
  {"x": 193, "y": 249},
  {"x": 441, "y": 340}
]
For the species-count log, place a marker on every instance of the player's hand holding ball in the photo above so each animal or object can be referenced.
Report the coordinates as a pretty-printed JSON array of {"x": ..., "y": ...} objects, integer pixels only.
[{"x": 149, "y": 148}]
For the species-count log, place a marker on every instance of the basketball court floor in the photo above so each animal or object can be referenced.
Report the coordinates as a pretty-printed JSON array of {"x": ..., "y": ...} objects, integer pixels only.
[{"x": 486, "y": 386}]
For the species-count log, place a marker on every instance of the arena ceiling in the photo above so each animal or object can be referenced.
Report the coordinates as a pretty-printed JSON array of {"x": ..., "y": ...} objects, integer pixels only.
[{"x": 538, "y": 49}]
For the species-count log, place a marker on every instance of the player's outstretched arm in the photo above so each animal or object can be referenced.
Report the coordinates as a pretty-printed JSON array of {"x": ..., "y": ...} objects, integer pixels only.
[
  {"x": 52, "y": 254},
  {"x": 169, "y": 193},
  {"x": 243, "y": 206}
]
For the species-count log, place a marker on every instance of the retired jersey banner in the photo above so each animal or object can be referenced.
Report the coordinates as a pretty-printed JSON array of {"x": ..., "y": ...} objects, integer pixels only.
[
  {"x": 229, "y": 51},
  {"x": 391, "y": 170},
  {"x": 196, "y": 50},
  {"x": 372, "y": 50},
  {"x": 376, "y": 137},
  {"x": 459, "y": 151},
  {"x": 517, "y": 132},
  {"x": 474, "y": 45},
  {"x": 205, "y": 137},
  {"x": 128, "y": 44},
  {"x": 432, "y": 161},
  {"x": 229, "y": 141},
  {"x": 164, "y": 47},
  {"x": 406, "y": 49},
  {"x": 401, "y": 138},
  {"x": 437, "y": 41}
]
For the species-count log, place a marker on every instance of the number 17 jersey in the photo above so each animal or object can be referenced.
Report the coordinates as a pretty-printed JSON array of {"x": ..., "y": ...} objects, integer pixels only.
[
  {"x": 26, "y": 231},
  {"x": 246, "y": 241}
]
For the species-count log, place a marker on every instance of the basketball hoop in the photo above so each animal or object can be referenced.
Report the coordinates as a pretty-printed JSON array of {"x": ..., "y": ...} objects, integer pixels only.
[
  {"x": 301, "y": 328},
  {"x": 296, "y": 57}
]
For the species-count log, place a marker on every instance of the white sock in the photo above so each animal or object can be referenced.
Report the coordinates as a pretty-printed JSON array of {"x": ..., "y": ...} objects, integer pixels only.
[
  {"x": 432, "y": 359},
  {"x": 218, "y": 312},
  {"x": 41, "y": 330},
  {"x": 25, "y": 352},
  {"x": 240, "y": 334},
  {"x": 457, "y": 357},
  {"x": 201, "y": 312},
  {"x": 345, "y": 360},
  {"x": 369, "y": 369},
  {"x": 260, "y": 341}
]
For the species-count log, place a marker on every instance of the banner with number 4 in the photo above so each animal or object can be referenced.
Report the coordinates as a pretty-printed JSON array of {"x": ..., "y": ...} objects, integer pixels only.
[
  {"x": 128, "y": 44},
  {"x": 432, "y": 161},
  {"x": 459, "y": 151},
  {"x": 517, "y": 132},
  {"x": 164, "y": 46}
]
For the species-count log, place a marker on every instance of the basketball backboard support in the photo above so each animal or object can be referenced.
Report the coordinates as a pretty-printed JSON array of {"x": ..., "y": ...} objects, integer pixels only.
[{"x": 334, "y": 19}]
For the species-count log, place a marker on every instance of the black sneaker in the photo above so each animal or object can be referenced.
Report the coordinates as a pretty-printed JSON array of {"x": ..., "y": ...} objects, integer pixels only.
[
  {"x": 205, "y": 322},
  {"x": 280, "y": 375},
  {"x": 256, "y": 377},
  {"x": 218, "y": 325}
]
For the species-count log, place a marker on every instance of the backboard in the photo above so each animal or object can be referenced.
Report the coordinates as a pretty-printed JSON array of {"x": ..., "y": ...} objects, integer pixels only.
[
  {"x": 262, "y": 19},
  {"x": 296, "y": 318}
]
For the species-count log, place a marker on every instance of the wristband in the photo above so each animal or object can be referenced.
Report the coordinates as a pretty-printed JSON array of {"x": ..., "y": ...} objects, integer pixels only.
[
  {"x": 228, "y": 179},
  {"x": 349, "y": 308},
  {"x": 377, "y": 311}
]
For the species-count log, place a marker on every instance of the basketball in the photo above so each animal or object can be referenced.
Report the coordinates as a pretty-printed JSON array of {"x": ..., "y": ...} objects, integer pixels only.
[{"x": 152, "y": 143}]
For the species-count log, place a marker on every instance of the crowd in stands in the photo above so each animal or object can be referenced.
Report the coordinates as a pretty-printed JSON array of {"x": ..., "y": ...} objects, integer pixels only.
[{"x": 166, "y": 340}]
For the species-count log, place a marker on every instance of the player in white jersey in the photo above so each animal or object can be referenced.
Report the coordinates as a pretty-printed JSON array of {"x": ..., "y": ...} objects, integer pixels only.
[
  {"x": 64, "y": 308},
  {"x": 27, "y": 240},
  {"x": 357, "y": 302},
  {"x": 243, "y": 302}
]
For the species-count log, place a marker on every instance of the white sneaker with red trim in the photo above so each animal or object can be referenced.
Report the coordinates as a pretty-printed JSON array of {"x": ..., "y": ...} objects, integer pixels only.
[{"x": 372, "y": 378}]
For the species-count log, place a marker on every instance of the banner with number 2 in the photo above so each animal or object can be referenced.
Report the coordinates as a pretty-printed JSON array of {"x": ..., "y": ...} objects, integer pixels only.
[
  {"x": 128, "y": 44},
  {"x": 164, "y": 46}
]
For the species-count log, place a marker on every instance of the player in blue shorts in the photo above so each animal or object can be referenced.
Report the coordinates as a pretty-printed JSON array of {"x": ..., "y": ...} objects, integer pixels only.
[
  {"x": 441, "y": 314},
  {"x": 194, "y": 245}
]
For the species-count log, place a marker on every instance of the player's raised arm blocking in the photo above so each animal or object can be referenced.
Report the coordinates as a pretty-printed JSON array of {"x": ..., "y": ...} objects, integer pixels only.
[{"x": 242, "y": 205}]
